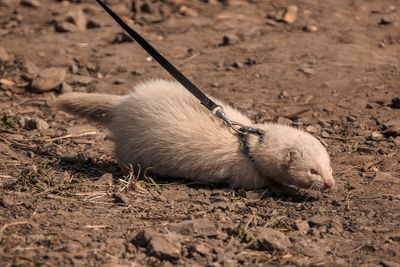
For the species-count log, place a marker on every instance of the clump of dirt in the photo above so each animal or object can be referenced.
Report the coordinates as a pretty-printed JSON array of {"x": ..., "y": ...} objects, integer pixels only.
[{"x": 329, "y": 67}]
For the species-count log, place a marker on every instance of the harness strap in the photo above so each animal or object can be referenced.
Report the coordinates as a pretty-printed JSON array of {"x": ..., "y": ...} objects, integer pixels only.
[{"x": 216, "y": 109}]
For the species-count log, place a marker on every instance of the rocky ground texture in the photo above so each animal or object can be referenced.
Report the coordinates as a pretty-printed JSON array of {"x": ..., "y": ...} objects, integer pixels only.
[{"x": 329, "y": 67}]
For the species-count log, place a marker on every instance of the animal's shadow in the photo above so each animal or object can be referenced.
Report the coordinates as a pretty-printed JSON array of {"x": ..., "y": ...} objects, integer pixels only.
[{"x": 94, "y": 169}]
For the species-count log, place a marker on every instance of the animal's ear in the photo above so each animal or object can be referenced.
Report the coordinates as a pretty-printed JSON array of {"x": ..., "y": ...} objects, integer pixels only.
[{"x": 292, "y": 156}]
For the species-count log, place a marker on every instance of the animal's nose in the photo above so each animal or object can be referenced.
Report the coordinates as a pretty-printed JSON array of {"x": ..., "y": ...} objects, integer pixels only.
[{"x": 329, "y": 183}]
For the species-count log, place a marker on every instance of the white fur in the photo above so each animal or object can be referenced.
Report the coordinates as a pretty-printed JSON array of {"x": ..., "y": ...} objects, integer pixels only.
[{"x": 162, "y": 126}]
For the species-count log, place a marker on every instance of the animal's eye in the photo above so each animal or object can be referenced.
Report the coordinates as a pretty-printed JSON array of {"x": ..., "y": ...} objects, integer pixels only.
[{"x": 313, "y": 171}]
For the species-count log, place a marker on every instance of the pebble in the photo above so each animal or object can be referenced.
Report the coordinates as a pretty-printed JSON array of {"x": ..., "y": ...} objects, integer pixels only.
[
  {"x": 385, "y": 178},
  {"x": 318, "y": 220},
  {"x": 310, "y": 28},
  {"x": 199, "y": 248},
  {"x": 122, "y": 37},
  {"x": 78, "y": 18},
  {"x": 230, "y": 39},
  {"x": 290, "y": 14},
  {"x": 92, "y": 24},
  {"x": 284, "y": 121},
  {"x": 386, "y": 263},
  {"x": 33, "y": 123},
  {"x": 49, "y": 79},
  {"x": 196, "y": 227},
  {"x": 187, "y": 11},
  {"x": 4, "y": 56},
  {"x": 386, "y": 20},
  {"x": 30, "y": 3},
  {"x": 164, "y": 248},
  {"x": 237, "y": 65},
  {"x": 302, "y": 226},
  {"x": 6, "y": 202},
  {"x": 29, "y": 68},
  {"x": 270, "y": 239},
  {"x": 80, "y": 80},
  {"x": 305, "y": 68},
  {"x": 395, "y": 103},
  {"x": 312, "y": 129},
  {"x": 63, "y": 26}
]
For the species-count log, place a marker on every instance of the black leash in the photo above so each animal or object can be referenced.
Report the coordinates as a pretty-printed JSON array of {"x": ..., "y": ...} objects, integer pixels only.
[{"x": 216, "y": 109}]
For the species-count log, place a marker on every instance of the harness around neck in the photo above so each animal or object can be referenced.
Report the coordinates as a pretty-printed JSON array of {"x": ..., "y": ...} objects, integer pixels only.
[{"x": 241, "y": 130}]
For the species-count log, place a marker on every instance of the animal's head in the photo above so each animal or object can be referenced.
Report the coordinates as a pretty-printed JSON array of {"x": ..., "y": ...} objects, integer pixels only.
[{"x": 293, "y": 158}]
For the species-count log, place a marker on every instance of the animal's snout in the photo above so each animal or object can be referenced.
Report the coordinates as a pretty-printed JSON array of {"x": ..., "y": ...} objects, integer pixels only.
[{"x": 329, "y": 183}]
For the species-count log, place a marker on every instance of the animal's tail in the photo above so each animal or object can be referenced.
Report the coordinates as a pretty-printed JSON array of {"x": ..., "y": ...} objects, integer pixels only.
[{"x": 94, "y": 107}]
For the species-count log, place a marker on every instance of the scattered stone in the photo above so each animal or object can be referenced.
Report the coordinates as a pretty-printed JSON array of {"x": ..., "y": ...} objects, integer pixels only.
[
  {"x": 302, "y": 226},
  {"x": 395, "y": 101},
  {"x": 290, "y": 14},
  {"x": 92, "y": 24},
  {"x": 312, "y": 129},
  {"x": 376, "y": 136},
  {"x": 144, "y": 237},
  {"x": 164, "y": 249},
  {"x": 66, "y": 88},
  {"x": 310, "y": 28},
  {"x": 230, "y": 39},
  {"x": 30, "y": 3},
  {"x": 237, "y": 65},
  {"x": 49, "y": 79},
  {"x": 120, "y": 199},
  {"x": 78, "y": 18},
  {"x": 386, "y": 20},
  {"x": 250, "y": 61},
  {"x": 385, "y": 178},
  {"x": 199, "y": 248},
  {"x": 138, "y": 72},
  {"x": 122, "y": 37},
  {"x": 305, "y": 68},
  {"x": 187, "y": 11},
  {"x": 119, "y": 81},
  {"x": 29, "y": 68},
  {"x": 196, "y": 227},
  {"x": 284, "y": 121},
  {"x": 386, "y": 263},
  {"x": 365, "y": 150},
  {"x": 253, "y": 195},
  {"x": 29, "y": 123},
  {"x": 270, "y": 239},
  {"x": 325, "y": 134},
  {"x": 318, "y": 220},
  {"x": 4, "y": 56},
  {"x": 6, "y": 202},
  {"x": 63, "y": 26},
  {"x": 80, "y": 80}
]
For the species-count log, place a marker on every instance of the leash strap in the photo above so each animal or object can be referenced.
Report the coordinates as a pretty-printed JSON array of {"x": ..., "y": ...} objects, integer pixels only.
[
  {"x": 216, "y": 109},
  {"x": 207, "y": 102}
]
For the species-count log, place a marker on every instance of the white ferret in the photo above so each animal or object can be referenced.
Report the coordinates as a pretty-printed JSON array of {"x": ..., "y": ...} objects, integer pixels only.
[{"x": 162, "y": 126}]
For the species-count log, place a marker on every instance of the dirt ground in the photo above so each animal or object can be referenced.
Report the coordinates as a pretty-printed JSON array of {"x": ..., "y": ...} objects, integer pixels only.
[{"x": 333, "y": 70}]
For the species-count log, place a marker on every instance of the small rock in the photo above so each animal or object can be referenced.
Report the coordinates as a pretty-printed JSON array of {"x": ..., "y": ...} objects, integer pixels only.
[
  {"x": 230, "y": 39},
  {"x": 80, "y": 80},
  {"x": 187, "y": 11},
  {"x": 312, "y": 129},
  {"x": 122, "y": 37},
  {"x": 395, "y": 101},
  {"x": 386, "y": 263},
  {"x": 237, "y": 65},
  {"x": 29, "y": 124},
  {"x": 365, "y": 150},
  {"x": 325, "y": 134},
  {"x": 199, "y": 248},
  {"x": 385, "y": 178},
  {"x": 305, "y": 68},
  {"x": 92, "y": 24},
  {"x": 164, "y": 249},
  {"x": 30, "y": 3},
  {"x": 250, "y": 61},
  {"x": 318, "y": 220},
  {"x": 143, "y": 237},
  {"x": 284, "y": 121},
  {"x": 375, "y": 135},
  {"x": 196, "y": 227},
  {"x": 310, "y": 28},
  {"x": 290, "y": 14},
  {"x": 78, "y": 18},
  {"x": 63, "y": 26},
  {"x": 119, "y": 81},
  {"x": 6, "y": 202},
  {"x": 253, "y": 195},
  {"x": 120, "y": 199},
  {"x": 138, "y": 72},
  {"x": 66, "y": 88},
  {"x": 29, "y": 68},
  {"x": 270, "y": 239},
  {"x": 49, "y": 79},
  {"x": 386, "y": 20},
  {"x": 302, "y": 226},
  {"x": 4, "y": 56}
]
